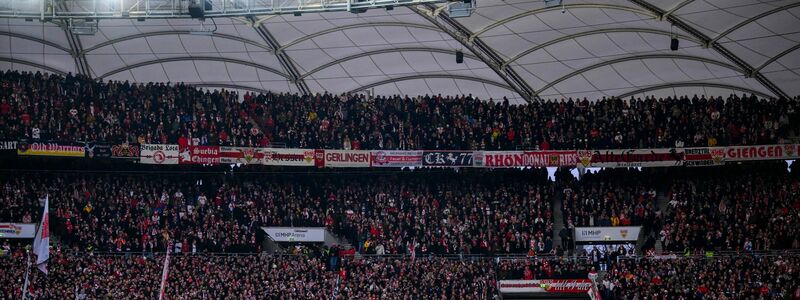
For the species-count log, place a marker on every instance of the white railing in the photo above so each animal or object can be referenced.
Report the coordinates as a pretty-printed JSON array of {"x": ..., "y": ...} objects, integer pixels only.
[{"x": 138, "y": 9}]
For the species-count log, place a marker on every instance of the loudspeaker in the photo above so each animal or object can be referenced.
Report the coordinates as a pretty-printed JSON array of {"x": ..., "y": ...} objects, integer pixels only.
[
  {"x": 459, "y": 57},
  {"x": 196, "y": 12},
  {"x": 673, "y": 45}
]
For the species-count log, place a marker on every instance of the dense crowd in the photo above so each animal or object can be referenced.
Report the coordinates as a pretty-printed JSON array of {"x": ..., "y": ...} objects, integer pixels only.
[
  {"x": 132, "y": 213},
  {"x": 530, "y": 268},
  {"x": 36, "y": 106},
  {"x": 610, "y": 197},
  {"x": 83, "y": 276},
  {"x": 253, "y": 276},
  {"x": 739, "y": 207},
  {"x": 397, "y": 213},
  {"x": 723, "y": 278},
  {"x": 746, "y": 209}
]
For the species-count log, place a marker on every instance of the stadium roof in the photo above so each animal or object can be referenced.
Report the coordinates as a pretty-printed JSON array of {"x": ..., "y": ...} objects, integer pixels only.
[{"x": 514, "y": 48}]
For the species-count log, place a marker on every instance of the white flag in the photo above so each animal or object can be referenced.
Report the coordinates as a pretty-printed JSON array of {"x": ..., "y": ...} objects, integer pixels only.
[{"x": 41, "y": 244}]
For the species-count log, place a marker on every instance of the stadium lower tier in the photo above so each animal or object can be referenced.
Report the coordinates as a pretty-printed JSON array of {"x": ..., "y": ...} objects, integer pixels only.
[
  {"x": 751, "y": 207},
  {"x": 204, "y": 276}
]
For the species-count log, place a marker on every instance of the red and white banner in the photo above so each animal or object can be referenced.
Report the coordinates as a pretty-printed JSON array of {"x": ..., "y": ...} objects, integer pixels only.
[
  {"x": 545, "y": 286},
  {"x": 763, "y": 152},
  {"x": 202, "y": 155},
  {"x": 704, "y": 156},
  {"x": 395, "y": 158},
  {"x": 342, "y": 158},
  {"x": 159, "y": 154},
  {"x": 669, "y": 157},
  {"x": 241, "y": 155},
  {"x": 536, "y": 159},
  {"x": 288, "y": 157}
]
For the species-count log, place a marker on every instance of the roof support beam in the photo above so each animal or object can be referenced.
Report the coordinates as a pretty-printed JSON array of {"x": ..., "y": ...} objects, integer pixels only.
[
  {"x": 81, "y": 65},
  {"x": 675, "y": 8},
  {"x": 568, "y": 6},
  {"x": 354, "y": 26},
  {"x": 431, "y": 76},
  {"x": 194, "y": 58},
  {"x": 173, "y": 32},
  {"x": 286, "y": 62},
  {"x": 677, "y": 22},
  {"x": 593, "y": 32},
  {"x": 776, "y": 57},
  {"x": 33, "y": 64},
  {"x": 637, "y": 57},
  {"x": 481, "y": 50},
  {"x": 384, "y": 51},
  {"x": 753, "y": 19},
  {"x": 37, "y": 40},
  {"x": 691, "y": 84}
]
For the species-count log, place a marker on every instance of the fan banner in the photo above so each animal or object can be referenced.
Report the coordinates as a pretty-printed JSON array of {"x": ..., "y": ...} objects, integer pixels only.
[
  {"x": 97, "y": 150},
  {"x": 241, "y": 155},
  {"x": 704, "y": 156},
  {"x": 763, "y": 152},
  {"x": 626, "y": 158},
  {"x": 537, "y": 159},
  {"x": 8, "y": 148},
  {"x": 17, "y": 230},
  {"x": 52, "y": 149},
  {"x": 288, "y": 157},
  {"x": 395, "y": 158},
  {"x": 342, "y": 158},
  {"x": 125, "y": 150},
  {"x": 199, "y": 155},
  {"x": 572, "y": 286},
  {"x": 607, "y": 234},
  {"x": 159, "y": 154},
  {"x": 448, "y": 158}
]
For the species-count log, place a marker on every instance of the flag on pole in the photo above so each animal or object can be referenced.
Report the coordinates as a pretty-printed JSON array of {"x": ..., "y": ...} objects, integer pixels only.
[
  {"x": 413, "y": 249},
  {"x": 164, "y": 274},
  {"x": 41, "y": 243}
]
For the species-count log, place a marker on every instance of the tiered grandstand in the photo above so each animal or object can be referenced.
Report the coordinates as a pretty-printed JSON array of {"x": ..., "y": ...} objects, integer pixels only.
[{"x": 399, "y": 149}]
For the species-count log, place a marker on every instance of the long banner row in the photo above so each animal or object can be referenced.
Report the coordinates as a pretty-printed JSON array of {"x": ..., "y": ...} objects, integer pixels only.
[{"x": 214, "y": 155}]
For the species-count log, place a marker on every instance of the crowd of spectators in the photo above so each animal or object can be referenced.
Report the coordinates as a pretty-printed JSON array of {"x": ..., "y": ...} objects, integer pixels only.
[
  {"x": 723, "y": 278},
  {"x": 610, "y": 197},
  {"x": 531, "y": 268},
  {"x": 37, "y": 106},
  {"x": 258, "y": 276},
  {"x": 202, "y": 276},
  {"x": 739, "y": 207},
  {"x": 742, "y": 208},
  {"x": 395, "y": 213},
  {"x": 132, "y": 213}
]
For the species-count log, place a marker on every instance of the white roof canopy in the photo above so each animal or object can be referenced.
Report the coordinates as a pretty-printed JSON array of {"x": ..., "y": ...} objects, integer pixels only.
[{"x": 513, "y": 48}]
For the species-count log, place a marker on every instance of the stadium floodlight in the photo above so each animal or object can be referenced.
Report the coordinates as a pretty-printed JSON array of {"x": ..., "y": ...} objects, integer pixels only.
[
  {"x": 552, "y": 3},
  {"x": 461, "y": 9},
  {"x": 83, "y": 27}
]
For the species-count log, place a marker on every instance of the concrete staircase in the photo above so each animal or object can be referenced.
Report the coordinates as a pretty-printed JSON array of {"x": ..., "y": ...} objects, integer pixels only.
[
  {"x": 663, "y": 203},
  {"x": 558, "y": 219}
]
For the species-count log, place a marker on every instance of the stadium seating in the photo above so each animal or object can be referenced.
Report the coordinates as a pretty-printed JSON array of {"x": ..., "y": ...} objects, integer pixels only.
[{"x": 35, "y": 106}]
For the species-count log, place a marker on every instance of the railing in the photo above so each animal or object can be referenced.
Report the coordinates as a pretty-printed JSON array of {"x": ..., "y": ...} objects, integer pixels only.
[
  {"x": 498, "y": 257},
  {"x": 139, "y": 9}
]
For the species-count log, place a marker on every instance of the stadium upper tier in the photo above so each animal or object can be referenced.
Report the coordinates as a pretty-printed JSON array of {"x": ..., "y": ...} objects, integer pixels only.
[{"x": 69, "y": 108}]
